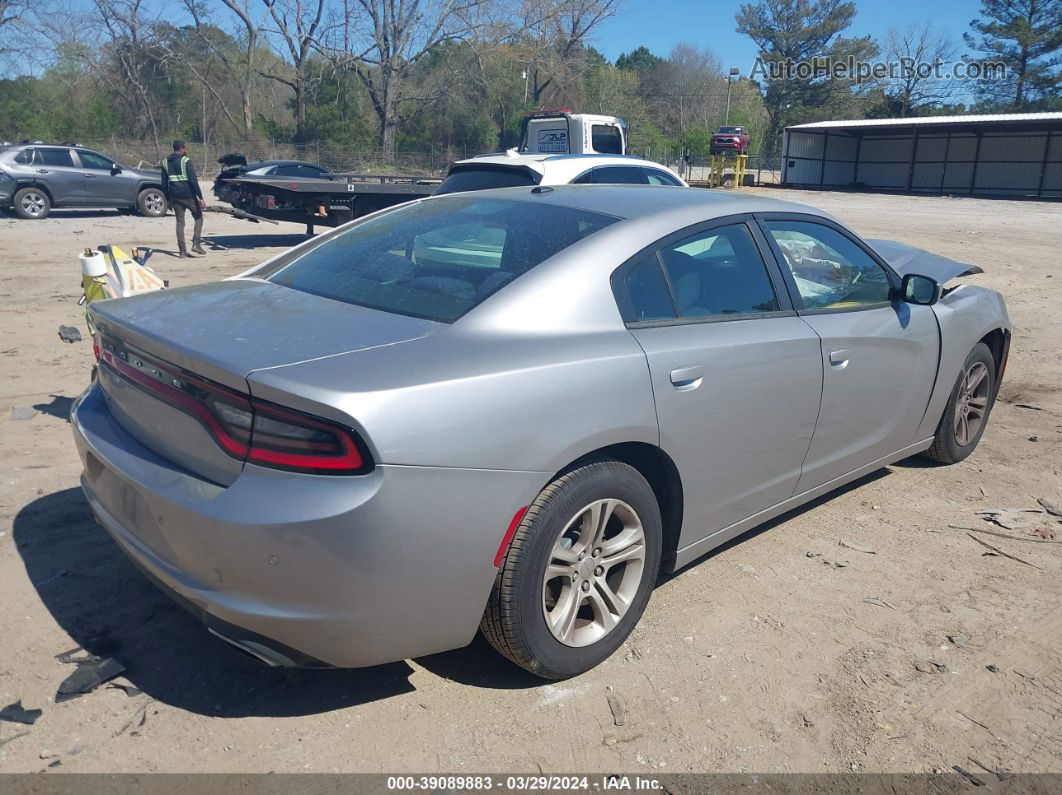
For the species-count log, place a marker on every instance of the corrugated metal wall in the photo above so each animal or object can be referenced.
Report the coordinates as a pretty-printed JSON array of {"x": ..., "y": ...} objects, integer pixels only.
[{"x": 989, "y": 163}]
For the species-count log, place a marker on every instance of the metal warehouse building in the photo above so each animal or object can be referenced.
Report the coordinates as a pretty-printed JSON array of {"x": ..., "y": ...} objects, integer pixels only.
[{"x": 1016, "y": 154}]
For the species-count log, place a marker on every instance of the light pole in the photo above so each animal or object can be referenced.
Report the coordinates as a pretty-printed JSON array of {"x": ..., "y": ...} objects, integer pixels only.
[{"x": 734, "y": 72}]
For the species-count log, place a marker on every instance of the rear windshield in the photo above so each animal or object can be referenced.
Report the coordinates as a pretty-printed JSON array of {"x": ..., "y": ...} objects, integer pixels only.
[
  {"x": 467, "y": 178},
  {"x": 436, "y": 259}
]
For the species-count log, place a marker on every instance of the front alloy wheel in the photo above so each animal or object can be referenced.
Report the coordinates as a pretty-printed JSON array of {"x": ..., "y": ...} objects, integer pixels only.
[
  {"x": 966, "y": 415},
  {"x": 578, "y": 572}
]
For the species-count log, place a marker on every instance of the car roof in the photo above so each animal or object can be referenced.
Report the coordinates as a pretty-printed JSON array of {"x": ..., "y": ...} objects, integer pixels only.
[
  {"x": 646, "y": 201},
  {"x": 264, "y": 163},
  {"x": 557, "y": 166}
]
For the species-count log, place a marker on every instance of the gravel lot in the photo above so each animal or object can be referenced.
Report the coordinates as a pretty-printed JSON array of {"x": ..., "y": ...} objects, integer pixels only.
[{"x": 759, "y": 658}]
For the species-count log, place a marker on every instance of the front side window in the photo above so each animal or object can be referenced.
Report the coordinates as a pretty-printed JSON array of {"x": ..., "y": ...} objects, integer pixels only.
[
  {"x": 435, "y": 259},
  {"x": 829, "y": 269},
  {"x": 93, "y": 161},
  {"x": 55, "y": 157},
  {"x": 719, "y": 272}
]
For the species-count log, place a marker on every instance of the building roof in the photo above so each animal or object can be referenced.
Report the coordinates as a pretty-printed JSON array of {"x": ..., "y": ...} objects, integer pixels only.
[{"x": 1005, "y": 119}]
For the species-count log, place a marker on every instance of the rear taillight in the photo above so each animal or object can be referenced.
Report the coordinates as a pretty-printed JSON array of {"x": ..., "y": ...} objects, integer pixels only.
[{"x": 246, "y": 428}]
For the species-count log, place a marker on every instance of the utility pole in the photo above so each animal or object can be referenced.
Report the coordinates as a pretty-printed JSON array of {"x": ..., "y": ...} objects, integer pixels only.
[{"x": 734, "y": 72}]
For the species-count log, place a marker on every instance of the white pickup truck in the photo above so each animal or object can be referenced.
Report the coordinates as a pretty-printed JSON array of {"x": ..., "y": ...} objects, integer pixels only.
[{"x": 560, "y": 148}]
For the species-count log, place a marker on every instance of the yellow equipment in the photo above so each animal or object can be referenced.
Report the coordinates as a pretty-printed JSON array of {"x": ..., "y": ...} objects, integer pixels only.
[
  {"x": 718, "y": 163},
  {"x": 111, "y": 273}
]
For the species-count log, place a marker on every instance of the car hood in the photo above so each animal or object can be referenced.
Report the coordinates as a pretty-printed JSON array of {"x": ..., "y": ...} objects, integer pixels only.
[
  {"x": 906, "y": 259},
  {"x": 227, "y": 330}
]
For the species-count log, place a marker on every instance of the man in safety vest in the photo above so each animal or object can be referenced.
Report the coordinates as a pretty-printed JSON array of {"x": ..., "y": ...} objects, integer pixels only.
[{"x": 182, "y": 191}]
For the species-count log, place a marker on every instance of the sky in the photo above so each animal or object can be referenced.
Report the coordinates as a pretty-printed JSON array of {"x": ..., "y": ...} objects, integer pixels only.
[{"x": 660, "y": 24}]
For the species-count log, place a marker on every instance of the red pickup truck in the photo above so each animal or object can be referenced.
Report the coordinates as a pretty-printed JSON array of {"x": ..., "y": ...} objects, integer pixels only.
[{"x": 729, "y": 139}]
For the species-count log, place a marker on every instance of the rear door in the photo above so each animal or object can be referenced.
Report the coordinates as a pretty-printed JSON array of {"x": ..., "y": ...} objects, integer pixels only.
[
  {"x": 57, "y": 170},
  {"x": 735, "y": 373},
  {"x": 879, "y": 356}
]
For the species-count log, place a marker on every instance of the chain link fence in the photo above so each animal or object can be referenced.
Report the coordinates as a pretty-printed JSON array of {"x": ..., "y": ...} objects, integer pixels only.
[{"x": 433, "y": 162}]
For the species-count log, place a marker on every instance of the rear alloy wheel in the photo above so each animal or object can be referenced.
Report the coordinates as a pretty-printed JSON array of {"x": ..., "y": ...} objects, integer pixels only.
[
  {"x": 32, "y": 204},
  {"x": 152, "y": 203},
  {"x": 966, "y": 414},
  {"x": 578, "y": 572}
]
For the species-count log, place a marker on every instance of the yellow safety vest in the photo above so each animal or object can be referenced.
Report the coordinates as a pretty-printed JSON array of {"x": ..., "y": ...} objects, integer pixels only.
[{"x": 183, "y": 176}]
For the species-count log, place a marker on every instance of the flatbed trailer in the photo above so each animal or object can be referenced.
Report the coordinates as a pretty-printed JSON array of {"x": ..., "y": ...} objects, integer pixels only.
[{"x": 321, "y": 202}]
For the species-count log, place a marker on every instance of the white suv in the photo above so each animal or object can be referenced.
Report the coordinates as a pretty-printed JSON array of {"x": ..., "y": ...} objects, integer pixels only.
[{"x": 512, "y": 169}]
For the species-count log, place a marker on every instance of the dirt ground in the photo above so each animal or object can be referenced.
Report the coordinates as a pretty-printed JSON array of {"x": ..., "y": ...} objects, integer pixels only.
[{"x": 759, "y": 658}]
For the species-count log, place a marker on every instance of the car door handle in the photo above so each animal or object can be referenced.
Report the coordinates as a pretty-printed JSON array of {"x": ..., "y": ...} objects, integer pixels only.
[
  {"x": 687, "y": 378},
  {"x": 90, "y": 176},
  {"x": 42, "y": 171},
  {"x": 839, "y": 358}
]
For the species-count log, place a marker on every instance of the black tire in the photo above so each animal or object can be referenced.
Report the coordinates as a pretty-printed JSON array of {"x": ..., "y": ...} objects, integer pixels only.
[
  {"x": 514, "y": 622},
  {"x": 32, "y": 203},
  {"x": 151, "y": 203},
  {"x": 947, "y": 448}
]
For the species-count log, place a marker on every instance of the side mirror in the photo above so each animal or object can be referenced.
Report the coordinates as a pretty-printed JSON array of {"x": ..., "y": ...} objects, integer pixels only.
[
  {"x": 116, "y": 170},
  {"x": 921, "y": 290}
]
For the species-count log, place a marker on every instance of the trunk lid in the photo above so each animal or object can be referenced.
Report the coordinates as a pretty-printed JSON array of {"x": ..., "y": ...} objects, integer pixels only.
[{"x": 220, "y": 332}]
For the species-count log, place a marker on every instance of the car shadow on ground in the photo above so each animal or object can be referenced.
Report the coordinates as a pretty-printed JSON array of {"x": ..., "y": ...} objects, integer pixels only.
[
  {"x": 785, "y": 517},
  {"x": 59, "y": 406},
  {"x": 263, "y": 240},
  {"x": 107, "y": 607}
]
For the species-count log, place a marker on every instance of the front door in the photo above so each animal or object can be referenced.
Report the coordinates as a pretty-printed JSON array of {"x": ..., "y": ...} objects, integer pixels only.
[
  {"x": 101, "y": 187},
  {"x": 735, "y": 373},
  {"x": 879, "y": 356}
]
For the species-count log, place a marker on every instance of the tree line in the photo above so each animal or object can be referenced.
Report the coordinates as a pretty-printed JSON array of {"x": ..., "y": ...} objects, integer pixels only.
[{"x": 409, "y": 75}]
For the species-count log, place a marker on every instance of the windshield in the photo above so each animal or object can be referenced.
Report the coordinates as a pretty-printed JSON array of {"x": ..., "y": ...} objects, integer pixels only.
[
  {"x": 436, "y": 259},
  {"x": 466, "y": 178}
]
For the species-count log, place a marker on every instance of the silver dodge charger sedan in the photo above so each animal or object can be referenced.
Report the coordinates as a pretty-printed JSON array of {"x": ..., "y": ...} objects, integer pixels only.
[{"x": 512, "y": 410}]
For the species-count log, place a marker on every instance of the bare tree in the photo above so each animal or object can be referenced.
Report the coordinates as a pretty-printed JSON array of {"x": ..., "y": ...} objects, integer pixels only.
[
  {"x": 127, "y": 60},
  {"x": 387, "y": 44},
  {"x": 553, "y": 34},
  {"x": 241, "y": 69},
  {"x": 299, "y": 27},
  {"x": 11, "y": 13},
  {"x": 916, "y": 52}
]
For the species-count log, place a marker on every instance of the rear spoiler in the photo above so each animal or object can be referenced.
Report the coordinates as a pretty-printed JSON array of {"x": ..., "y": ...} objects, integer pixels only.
[{"x": 906, "y": 259}]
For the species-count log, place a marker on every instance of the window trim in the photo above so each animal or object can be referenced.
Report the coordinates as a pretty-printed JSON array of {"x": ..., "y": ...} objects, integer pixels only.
[
  {"x": 787, "y": 274},
  {"x": 626, "y": 308}
]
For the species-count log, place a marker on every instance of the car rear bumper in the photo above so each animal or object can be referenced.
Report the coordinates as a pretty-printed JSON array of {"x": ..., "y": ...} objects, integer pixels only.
[{"x": 307, "y": 570}]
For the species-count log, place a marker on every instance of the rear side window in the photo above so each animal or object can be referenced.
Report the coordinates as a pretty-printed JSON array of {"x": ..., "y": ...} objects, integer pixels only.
[
  {"x": 436, "y": 259},
  {"x": 25, "y": 157},
  {"x": 467, "y": 178},
  {"x": 658, "y": 177},
  {"x": 606, "y": 139},
  {"x": 55, "y": 157},
  {"x": 299, "y": 170},
  {"x": 719, "y": 272},
  {"x": 647, "y": 292},
  {"x": 618, "y": 175}
]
